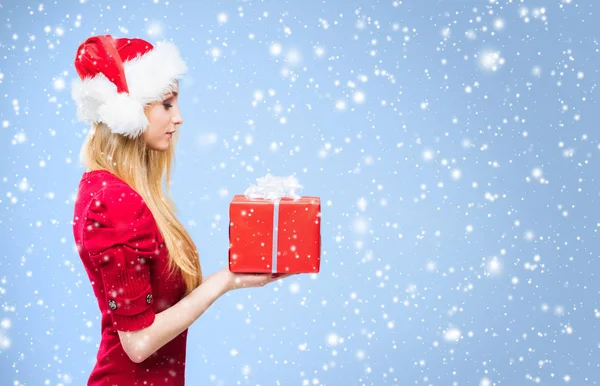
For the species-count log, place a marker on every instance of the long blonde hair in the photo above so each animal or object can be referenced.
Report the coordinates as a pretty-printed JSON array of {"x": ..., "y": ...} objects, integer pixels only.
[{"x": 144, "y": 170}]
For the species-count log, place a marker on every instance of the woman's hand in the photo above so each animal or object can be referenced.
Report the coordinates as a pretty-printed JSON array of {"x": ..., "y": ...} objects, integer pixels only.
[{"x": 246, "y": 280}]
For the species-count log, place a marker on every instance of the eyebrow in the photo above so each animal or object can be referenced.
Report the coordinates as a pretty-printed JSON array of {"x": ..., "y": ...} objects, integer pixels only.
[{"x": 171, "y": 94}]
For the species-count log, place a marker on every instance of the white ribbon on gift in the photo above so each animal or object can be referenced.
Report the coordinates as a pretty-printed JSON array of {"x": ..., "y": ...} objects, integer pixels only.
[
  {"x": 270, "y": 187},
  {"x": 274, "y": 188}
]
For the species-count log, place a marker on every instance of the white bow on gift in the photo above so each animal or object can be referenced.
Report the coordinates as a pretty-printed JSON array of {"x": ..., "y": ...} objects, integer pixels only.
[{"x": 273, "y": 188}]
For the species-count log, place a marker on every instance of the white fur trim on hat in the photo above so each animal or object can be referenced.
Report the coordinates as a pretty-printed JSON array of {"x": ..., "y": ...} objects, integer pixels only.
[{"x": 149, "y": 77}]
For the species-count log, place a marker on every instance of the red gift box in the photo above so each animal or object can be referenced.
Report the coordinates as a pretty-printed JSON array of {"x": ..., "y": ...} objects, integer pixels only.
[{"x": 257, "y": 246}]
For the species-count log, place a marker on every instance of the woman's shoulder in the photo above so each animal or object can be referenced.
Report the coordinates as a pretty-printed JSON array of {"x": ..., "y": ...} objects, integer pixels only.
[{"x": 111, "y": 197}]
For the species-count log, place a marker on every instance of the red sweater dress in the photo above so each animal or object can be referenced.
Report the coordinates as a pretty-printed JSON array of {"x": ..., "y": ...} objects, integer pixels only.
[{"x": 126, "y": 260}]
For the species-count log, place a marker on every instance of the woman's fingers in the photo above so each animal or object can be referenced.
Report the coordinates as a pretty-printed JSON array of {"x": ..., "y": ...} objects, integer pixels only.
[
  {"x": 257, "y": 279},
  {"x": 277, "y": 276}
]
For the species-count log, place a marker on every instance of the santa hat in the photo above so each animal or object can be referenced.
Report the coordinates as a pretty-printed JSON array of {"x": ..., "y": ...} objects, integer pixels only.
[{"x": 119, "y": 77}]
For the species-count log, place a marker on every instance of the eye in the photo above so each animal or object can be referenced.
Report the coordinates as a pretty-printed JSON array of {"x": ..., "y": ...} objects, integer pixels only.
[{"x": 167, "y": 106}]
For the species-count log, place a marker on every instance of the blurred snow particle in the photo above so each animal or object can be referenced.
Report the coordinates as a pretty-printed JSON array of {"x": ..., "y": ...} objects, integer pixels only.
[
  {"x": 360, "y": 225},
  {"x": 446, "y": 32},
  {"x": 340, "y": 105},
  {"x": 293, "y": 57},
  {"x": 59, "y": 84},
  {"x": 294, "y": 288},
  {"x": 4, "y": 341},
  {"x": 428, "y": 155},
  {"x": 499, "y": 24},
  {"x": 19, "y": 138},
  {"x": 452, "y": 335},
  {"x": 362, "y": 204},
  {"x": 359, "y": 97},
  {"x": 5, "y": 324},
  {"x": 155, "y": 29},
  {"x": 24, "y": 185},
  {"x": 485, "y": 382},
  {"x": 246, "y": 370},
  {"x": 318, "y": 51},
  {"x": 222, "y": 18},
  {"x": 523, "y": 12},
  {"x": 223, "y": 192},
  {"x": 233, "y": 352},
  {"x": 456, "y": 174},
  {"x": 206, "y": 139},
  {"x": 215, "y": 52},
  {"x": 259, "y": 95},
  {"x": 333, "y": 339},
  {"x": 529, "y": 235},
  {"x": 275, "y": 49},
  {"x": 431, "y": 266},
  {"x": 494, "y": 266},
  {"x": 490, "y": 60},
  {"x": 536, "y": 173}
]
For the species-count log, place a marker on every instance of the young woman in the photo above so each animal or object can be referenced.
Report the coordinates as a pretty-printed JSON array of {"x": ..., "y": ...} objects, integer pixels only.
[{"x": 143, "y": 266}]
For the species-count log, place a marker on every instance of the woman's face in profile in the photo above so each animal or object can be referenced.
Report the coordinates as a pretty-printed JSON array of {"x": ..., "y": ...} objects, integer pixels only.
[{"x": 163, "y": 118}]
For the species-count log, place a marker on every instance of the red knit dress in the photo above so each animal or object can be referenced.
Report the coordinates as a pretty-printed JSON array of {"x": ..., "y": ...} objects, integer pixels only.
[{"x": 126, "y": 260}]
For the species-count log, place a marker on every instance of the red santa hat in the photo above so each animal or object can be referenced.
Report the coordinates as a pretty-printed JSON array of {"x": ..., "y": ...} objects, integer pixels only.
[{"x": 118, "y": 77}]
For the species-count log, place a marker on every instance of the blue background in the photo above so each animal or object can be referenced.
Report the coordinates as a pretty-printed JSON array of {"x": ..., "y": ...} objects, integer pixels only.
[{"x": 453, "y": 145}]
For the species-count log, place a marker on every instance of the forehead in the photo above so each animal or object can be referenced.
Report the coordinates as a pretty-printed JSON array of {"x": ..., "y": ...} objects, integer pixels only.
[{"x": 173, "y": 90}]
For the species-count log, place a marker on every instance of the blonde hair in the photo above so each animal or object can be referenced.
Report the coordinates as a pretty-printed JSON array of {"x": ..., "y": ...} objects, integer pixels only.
[{"x": 144, "y": 169}]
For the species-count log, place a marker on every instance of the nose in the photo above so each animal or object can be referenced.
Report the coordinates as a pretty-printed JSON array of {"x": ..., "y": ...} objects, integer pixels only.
[{"x": 177, "y": 118}]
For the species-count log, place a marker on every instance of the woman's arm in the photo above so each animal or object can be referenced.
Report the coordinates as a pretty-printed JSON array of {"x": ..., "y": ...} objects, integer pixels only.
[{"x": 168, "y": 324}]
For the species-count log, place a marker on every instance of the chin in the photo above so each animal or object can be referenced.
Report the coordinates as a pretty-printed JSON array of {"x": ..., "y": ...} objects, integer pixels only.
[{"x": 159, "y": 146}]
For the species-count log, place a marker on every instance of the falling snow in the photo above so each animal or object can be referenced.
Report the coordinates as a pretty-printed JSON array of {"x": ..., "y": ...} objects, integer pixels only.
[{"x": 452, "y": 145}]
